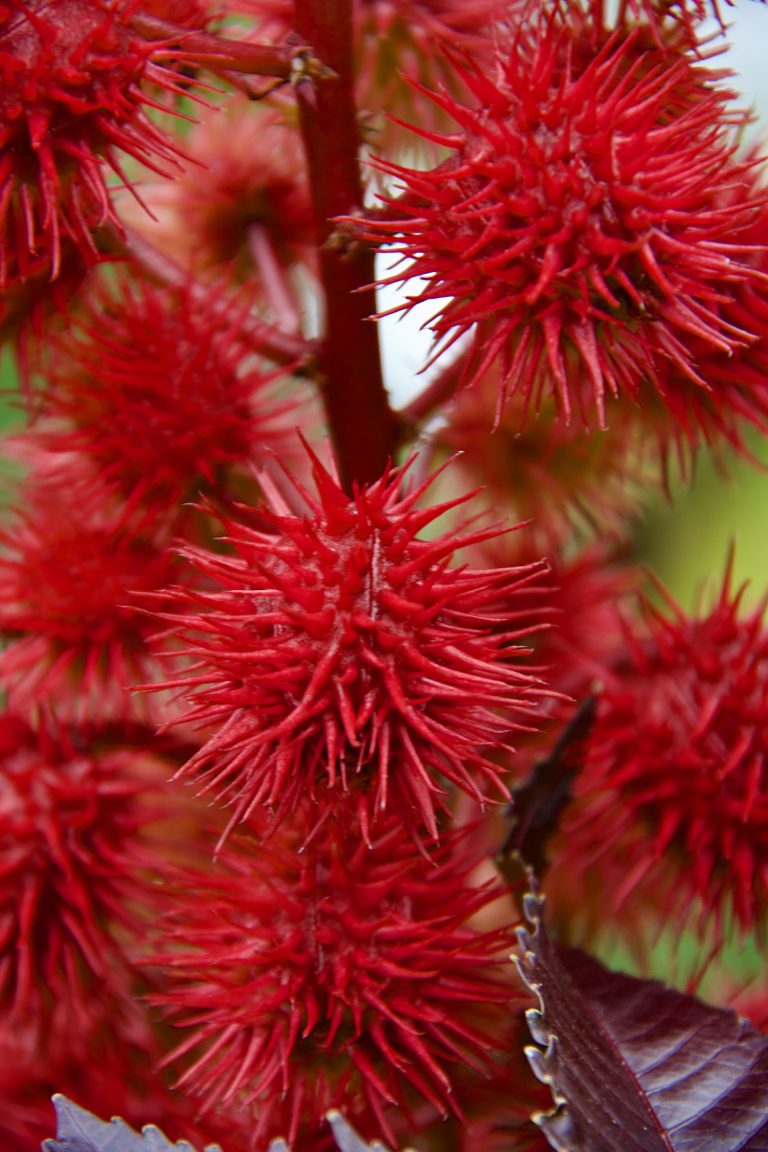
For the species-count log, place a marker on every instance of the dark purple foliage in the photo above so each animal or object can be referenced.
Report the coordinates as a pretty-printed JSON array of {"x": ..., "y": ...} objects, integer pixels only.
[{"x": 635, "y": 1066}]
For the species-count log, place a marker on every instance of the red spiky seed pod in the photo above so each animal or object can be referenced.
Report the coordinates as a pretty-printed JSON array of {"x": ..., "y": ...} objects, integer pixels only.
[
  {"x": 408, "y": 38},
  {"x": 341, "y": 653},
  {"x": 71, "y": 108},
  {"x": 156, "y": 390},
  {"x": 499, "y": 1109},
  {"x": 587, "y": 600},
  {"x": 68, "y": 574},
  {"x": 560, "y": 478},
  {"x": 332, "y": 974},
  {"x": 71, "y": 859},
  {"x": 661, "y": 16},
  {"x": 688, "y": 13},
  {"x": 735, "y": 399},
  {"x": 587, "y": 226},
  {"x": 31, "y": 301},
  {"x": 671, "y": 808},
  {"x": 251, "y": 216}
]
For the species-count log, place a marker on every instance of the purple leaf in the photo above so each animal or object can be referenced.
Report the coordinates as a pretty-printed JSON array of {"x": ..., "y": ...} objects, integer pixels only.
[
  {"x": 635, "y": 1066},
  {"x": 80, "y": 1131}
]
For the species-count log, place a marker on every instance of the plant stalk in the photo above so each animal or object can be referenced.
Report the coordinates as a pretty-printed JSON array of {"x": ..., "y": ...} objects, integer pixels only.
[{"x": 362, "y": 424}]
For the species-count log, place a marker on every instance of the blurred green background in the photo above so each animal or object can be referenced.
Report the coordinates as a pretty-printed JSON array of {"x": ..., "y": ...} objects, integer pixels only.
[{"x": 686, "y": 540}]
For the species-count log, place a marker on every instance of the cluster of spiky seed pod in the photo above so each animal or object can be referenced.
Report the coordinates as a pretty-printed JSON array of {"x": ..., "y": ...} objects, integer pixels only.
[{"x": 267, "y": 689}]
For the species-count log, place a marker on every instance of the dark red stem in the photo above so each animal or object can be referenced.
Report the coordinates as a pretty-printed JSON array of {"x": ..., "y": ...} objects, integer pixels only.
[{"x": 362, "y": 424}]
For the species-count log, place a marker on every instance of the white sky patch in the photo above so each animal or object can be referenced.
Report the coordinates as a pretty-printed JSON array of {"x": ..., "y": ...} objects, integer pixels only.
[
  {"x": 748, "y": 56},
  {"x": 405, "y": 345}
]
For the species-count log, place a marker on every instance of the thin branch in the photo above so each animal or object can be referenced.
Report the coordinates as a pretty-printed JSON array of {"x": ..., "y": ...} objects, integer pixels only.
[
  {"x": 436, "y": 393},
  {"x": 281, "y": 347},
  {"x": 285, "y": 61}
]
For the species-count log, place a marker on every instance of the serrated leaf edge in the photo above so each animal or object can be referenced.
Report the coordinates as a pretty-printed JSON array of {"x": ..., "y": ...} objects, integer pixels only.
[
  {"x": 556, "y": 1124},
  {"x": 152, "y": 1136},
  {"x": 76, "y": 1123}
]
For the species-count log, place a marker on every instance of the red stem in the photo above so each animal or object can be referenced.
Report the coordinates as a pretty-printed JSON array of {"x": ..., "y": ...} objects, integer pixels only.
[
  {"x": 283, "y": 61},
  {"x": 437, "y": 393},
  {"x": 281, "y": 347},
  {"x": 362, "y": 424}
]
